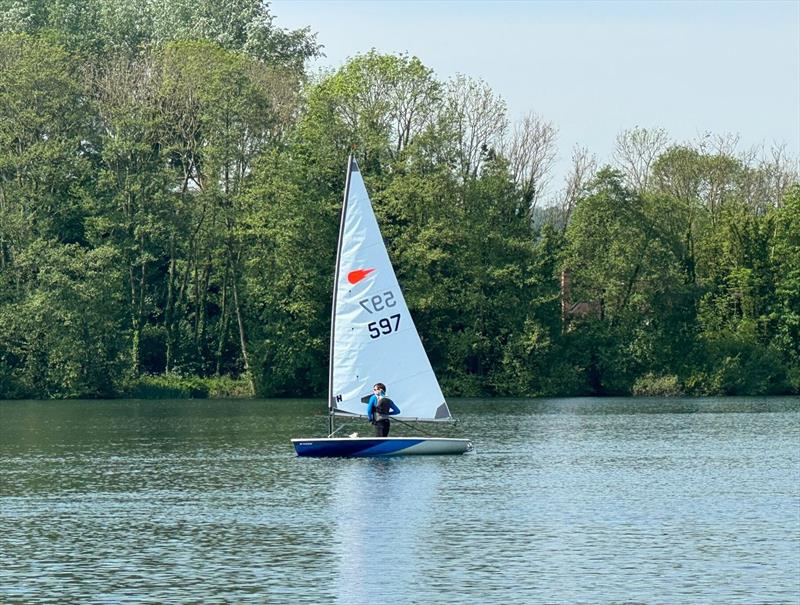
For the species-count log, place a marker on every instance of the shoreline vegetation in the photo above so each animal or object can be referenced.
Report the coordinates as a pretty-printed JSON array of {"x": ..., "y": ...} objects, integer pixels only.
[
  {"x": 171, "y": 178},
  {"x": 166, "y": 386}
]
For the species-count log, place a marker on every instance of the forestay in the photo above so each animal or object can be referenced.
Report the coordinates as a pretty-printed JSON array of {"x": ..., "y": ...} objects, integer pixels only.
[{"x": 373, "y": 338}]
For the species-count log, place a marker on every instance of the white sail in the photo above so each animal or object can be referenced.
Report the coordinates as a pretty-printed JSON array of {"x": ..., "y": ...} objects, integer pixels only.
[{"x": 373, "y": 338}]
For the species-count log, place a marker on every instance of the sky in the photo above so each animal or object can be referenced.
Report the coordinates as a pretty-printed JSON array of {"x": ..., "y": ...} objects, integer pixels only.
[{"x": 593, "y": 69}]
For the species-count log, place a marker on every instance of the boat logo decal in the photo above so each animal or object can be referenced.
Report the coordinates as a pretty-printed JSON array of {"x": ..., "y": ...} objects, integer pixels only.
[{"x": 356, "y": 276}]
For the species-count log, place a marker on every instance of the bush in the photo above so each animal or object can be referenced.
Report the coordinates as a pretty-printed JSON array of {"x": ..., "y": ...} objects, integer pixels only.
[
  {"x": 9, "y": 389},
  {"x": 739, "y": 365},
  {"x": 227, "y": 387},
  {"x": 177, "y": 386},
  {"x": 167, "y": 386},
  {"x": 565, "y": 380},
  {"x": 651, "y": 385},
  {"x": 793, "y": 377}
]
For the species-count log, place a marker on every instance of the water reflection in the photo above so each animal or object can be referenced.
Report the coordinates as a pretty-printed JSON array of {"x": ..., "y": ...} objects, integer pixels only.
[{"x": 381, "y": 509}]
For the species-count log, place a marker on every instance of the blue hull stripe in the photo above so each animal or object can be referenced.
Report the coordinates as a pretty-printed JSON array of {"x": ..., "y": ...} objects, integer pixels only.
[{"x": 354, "y": 448}]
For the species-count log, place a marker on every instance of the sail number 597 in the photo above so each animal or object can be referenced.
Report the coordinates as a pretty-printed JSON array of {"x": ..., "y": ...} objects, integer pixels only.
[
  {"x": 378, "y": 303},
  {"x": 384, "y": 326}
]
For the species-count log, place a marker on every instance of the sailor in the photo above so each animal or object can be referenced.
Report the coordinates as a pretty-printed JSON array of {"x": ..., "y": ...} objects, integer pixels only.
[{"x": 379, "y": 408}]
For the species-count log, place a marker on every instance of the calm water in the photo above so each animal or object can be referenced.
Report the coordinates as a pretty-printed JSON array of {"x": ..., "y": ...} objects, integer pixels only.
[{"x": 565, "y": 501}]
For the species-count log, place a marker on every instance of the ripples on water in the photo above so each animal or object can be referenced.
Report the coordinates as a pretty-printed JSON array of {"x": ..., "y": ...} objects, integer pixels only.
[{"x": 565, "y": 501}]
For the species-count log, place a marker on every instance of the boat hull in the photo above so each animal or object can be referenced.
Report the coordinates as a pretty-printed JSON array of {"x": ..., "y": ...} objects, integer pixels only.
[{"x": 364, "y": 447}]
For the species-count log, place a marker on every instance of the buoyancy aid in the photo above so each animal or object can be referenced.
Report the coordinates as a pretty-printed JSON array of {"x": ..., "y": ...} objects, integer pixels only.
[{"x": 382, "y": 408}]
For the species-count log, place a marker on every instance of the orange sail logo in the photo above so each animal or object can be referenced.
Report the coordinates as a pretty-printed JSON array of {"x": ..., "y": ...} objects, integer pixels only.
[{"x": 356, "y": 276}]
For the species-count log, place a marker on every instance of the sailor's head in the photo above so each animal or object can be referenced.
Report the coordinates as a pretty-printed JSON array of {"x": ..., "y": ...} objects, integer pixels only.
[{"x": 379, "y": 388}]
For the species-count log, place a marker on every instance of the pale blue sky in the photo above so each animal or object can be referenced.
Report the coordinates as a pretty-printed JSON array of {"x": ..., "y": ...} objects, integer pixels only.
[{"x": 593, "y": 68}]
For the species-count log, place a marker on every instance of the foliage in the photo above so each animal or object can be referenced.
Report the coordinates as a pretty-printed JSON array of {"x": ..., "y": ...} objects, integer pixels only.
[
  {"x": 170, "y": 186},
  {"x": 651, "y": 385},
  {"x": 291, "y": 227},
  {"x": 59, "y": 337},
  {"x": 784, "y": 315},
  {"x": 172, "y": 385},
  {"x": 127, "y": 26}
]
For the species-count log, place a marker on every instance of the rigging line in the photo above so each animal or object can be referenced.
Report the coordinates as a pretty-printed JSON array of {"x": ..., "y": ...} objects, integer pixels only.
[
  {"x": 413, "y": 426},
  {"x": 337, "y": 430}
]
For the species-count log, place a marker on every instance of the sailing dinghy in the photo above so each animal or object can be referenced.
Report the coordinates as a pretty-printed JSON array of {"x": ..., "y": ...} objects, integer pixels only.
[{"x": 373, "y": 339}]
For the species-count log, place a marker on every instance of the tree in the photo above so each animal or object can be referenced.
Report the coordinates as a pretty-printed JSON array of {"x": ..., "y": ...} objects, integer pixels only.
[
  {"x": 582, "y": 172},
  {"x": 785, "y": 254},
  {"x": 623, "y": 264},
  {"x": 463, "y": 253},
  {"x": 59, "y": 337},
  {"x": 133, "y": 209},
  {"x": 227, "y": 110},
  {"x": 531, "y": 152},
  {"x": 375, "y": 103},
  {"x": 129, "y": 27},
  {"x": 45, "y": 144},
  {"x": 475, "y": 122},
  {"x": 723, "y": 237},
  {"x": 635, "y": 152},
  {"x": 290, "y": 223}
]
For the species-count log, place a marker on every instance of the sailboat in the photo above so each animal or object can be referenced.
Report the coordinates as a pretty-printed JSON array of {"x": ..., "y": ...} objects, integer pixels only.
[{"x": 373, "y": 339}]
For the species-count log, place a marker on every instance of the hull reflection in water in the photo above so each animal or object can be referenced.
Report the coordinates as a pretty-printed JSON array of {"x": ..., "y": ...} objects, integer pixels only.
[{"x": 351, "y": 447}]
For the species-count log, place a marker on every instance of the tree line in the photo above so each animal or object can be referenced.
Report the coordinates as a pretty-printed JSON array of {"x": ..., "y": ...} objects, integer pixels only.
[{"x": 170, "y": 184}]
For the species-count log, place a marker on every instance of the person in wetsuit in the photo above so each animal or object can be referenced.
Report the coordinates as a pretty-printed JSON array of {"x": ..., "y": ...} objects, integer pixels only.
[{"x": 379, "y": 408}]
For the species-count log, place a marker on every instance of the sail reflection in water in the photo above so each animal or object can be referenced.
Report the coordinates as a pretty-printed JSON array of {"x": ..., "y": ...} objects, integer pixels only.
[{"x": 375, "y": 533}]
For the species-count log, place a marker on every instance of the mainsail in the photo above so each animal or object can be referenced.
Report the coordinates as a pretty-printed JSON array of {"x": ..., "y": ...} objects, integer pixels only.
[{"x": 373, "y": 338}]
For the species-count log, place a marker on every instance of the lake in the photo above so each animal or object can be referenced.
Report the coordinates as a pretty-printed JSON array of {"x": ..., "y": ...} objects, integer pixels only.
[{"x": 564, "y": 501}]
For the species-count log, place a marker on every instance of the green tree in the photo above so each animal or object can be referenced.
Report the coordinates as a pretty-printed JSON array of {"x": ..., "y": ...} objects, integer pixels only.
[
  {"x": 225, "y": 109},
  {"x": 465, "y": 256},
  {"x": 102, "y": 27},
  {"x": 726, "y": 251},
  {"x": 624, "y": 262},
  {"x": 376, "y": 103},
  {"x": 133, "y": 207},
  {"x": 785, "y": 255},
  {"x": 45, "y": 144},
  {"x": 291, "y": 225},
  {"x": 59, "y": 337}
]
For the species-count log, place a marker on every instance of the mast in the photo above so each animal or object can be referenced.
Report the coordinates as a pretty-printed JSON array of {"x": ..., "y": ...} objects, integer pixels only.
[{"x": 331, "y": 415}]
